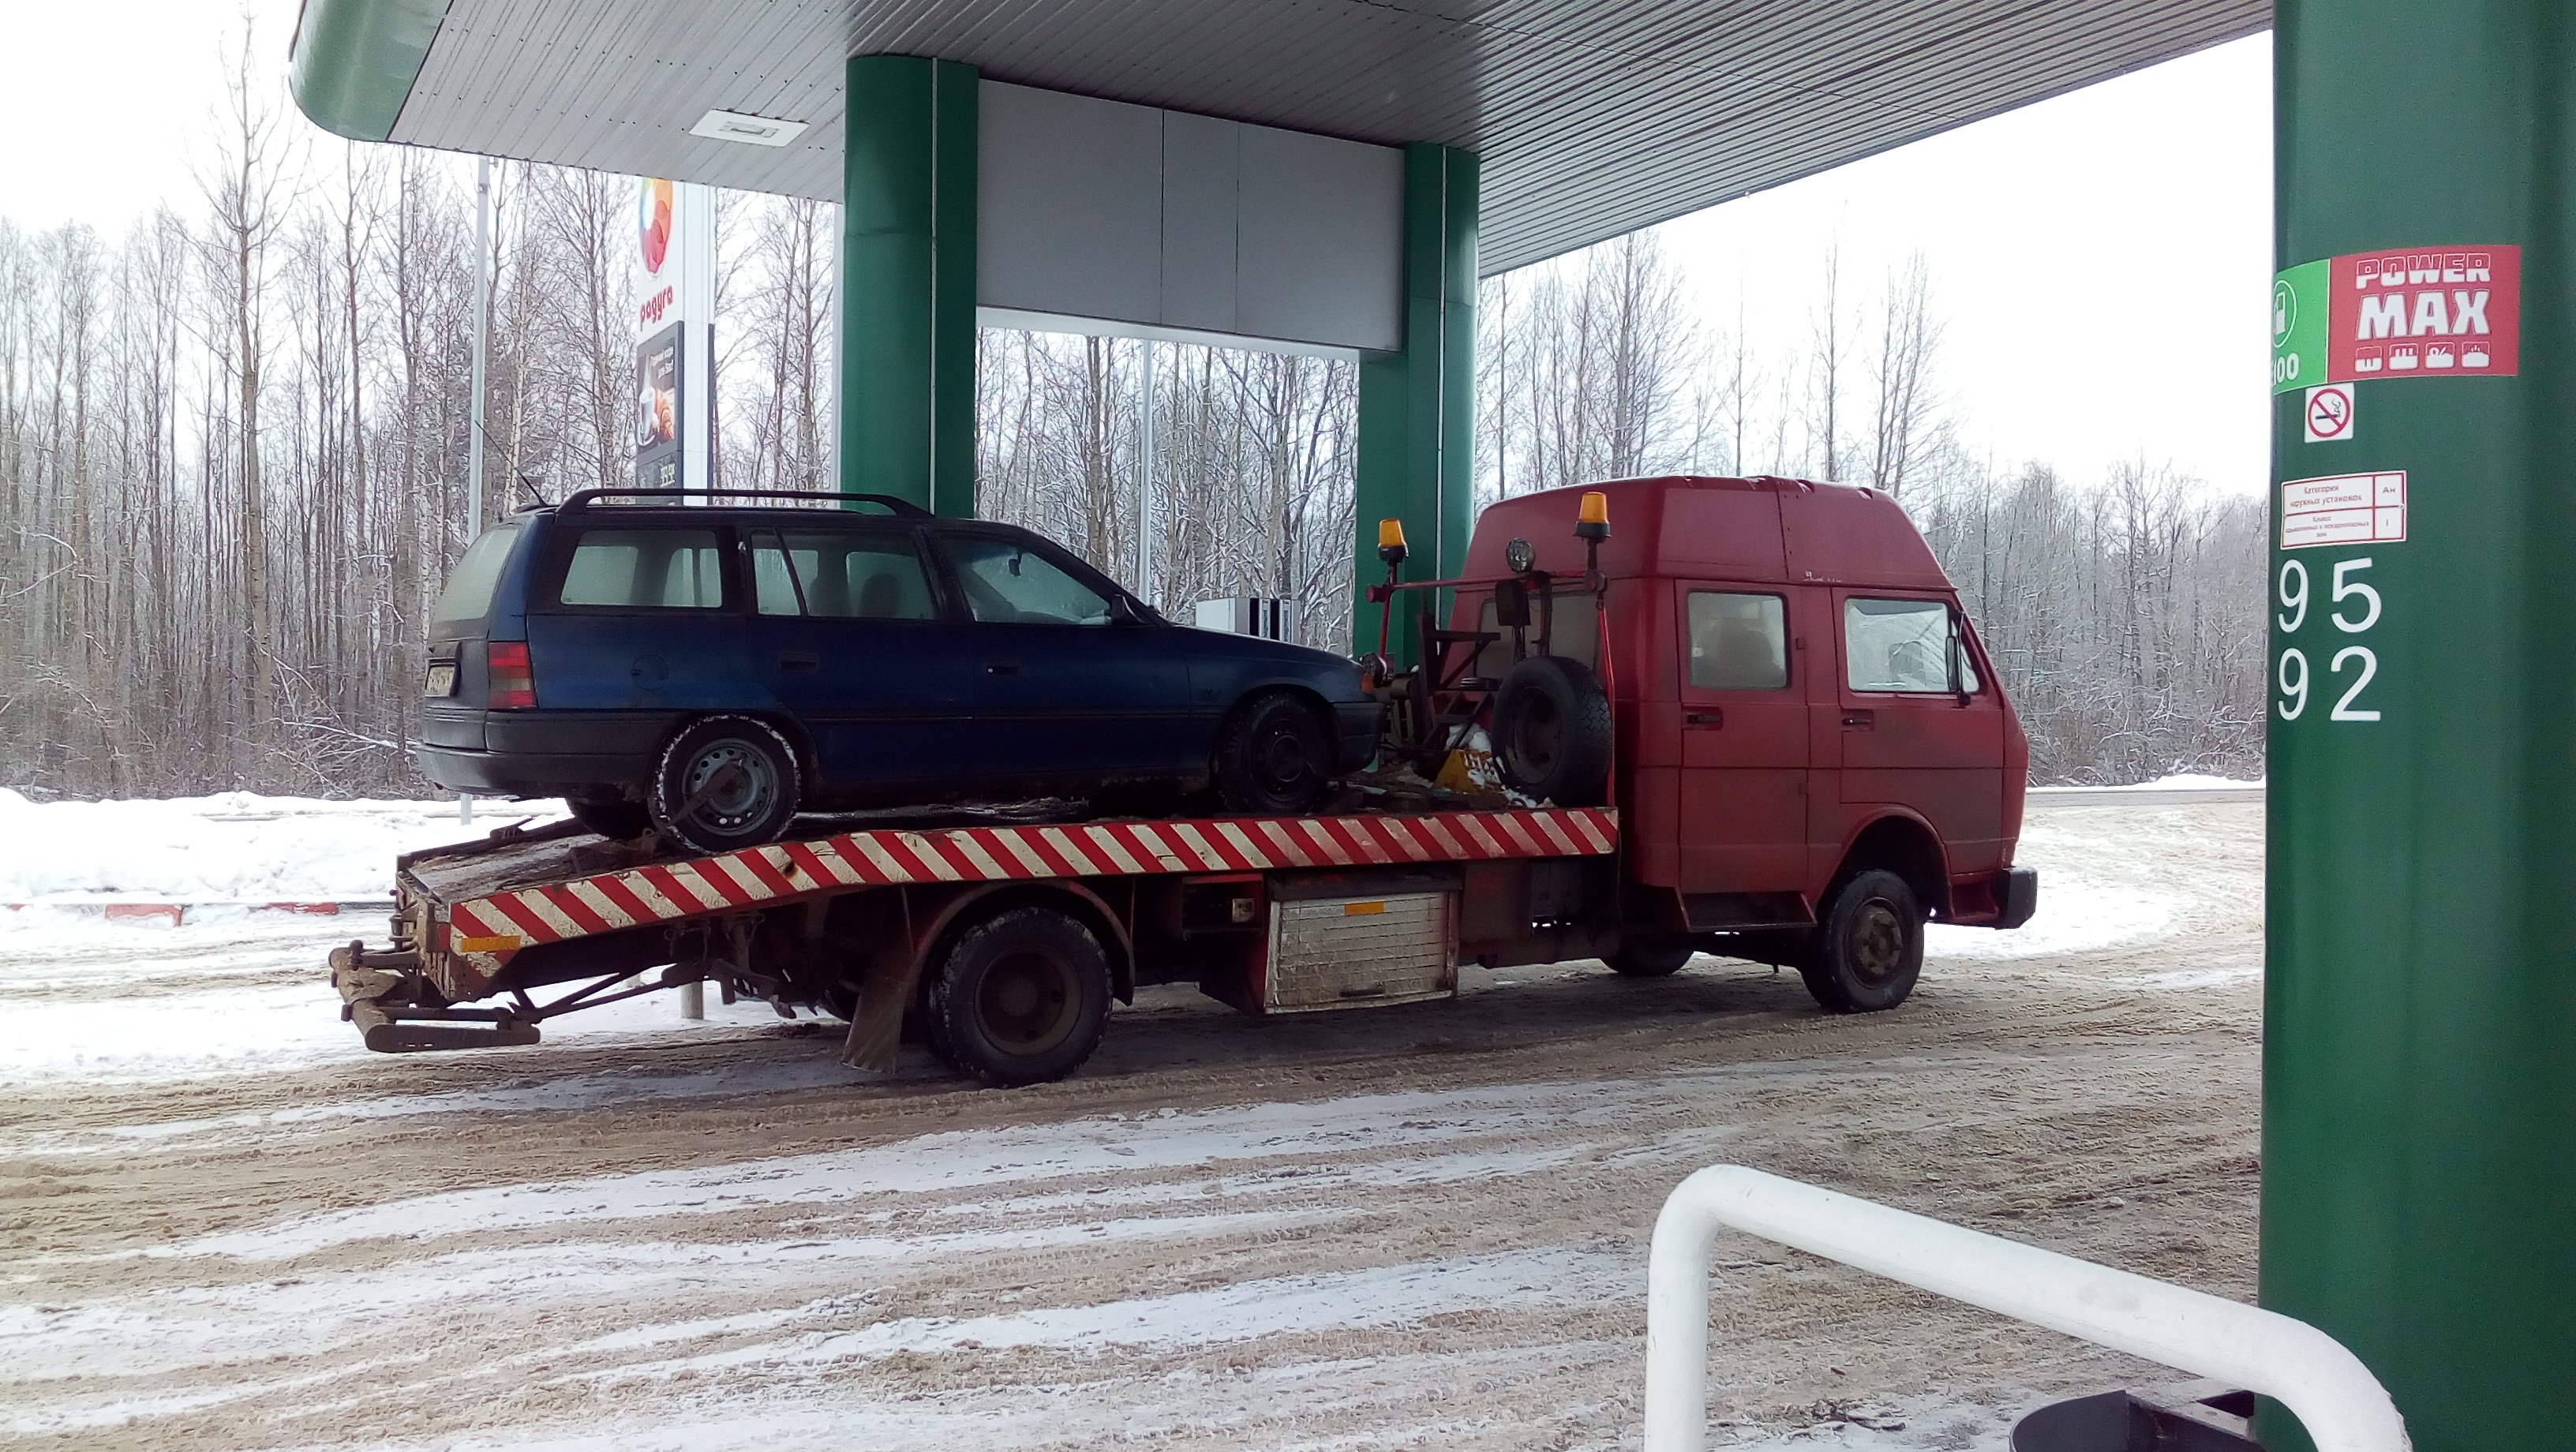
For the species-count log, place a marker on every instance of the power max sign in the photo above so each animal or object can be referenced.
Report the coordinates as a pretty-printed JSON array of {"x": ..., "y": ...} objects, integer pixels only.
[{"x": 2448, "y": 312}]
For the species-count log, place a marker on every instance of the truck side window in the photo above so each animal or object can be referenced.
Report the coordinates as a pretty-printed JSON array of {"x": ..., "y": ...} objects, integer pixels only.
[
  {"x": 654, "y": 568},
  {"x": 1903, "y": 645},
  {"x": 1738, "y": 642}
]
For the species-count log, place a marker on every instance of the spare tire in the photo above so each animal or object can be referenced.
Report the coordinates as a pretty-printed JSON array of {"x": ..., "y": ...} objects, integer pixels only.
[{"x": 1552, "y": 732}]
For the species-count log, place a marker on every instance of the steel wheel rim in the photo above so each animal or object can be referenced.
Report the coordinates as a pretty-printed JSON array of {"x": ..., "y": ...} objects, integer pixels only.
[
  {"x": 1027, "y": 1001},
  {"x": 1279, "y": 759},
  {"x": 1874, "y": 944},
  {"x": 1538, "y": 736},
  {"x": 740, "y": 802}
]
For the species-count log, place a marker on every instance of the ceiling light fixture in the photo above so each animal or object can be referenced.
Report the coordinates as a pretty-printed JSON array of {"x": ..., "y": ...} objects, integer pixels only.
[{"x": 757, "y": 130}]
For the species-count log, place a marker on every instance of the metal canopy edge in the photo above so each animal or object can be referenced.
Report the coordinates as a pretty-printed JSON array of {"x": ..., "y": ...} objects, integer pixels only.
[{"x": 1590, "y": 119}]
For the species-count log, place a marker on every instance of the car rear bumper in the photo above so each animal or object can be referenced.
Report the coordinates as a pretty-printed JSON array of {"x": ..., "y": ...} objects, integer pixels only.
[{"x": 544, "y": 752}]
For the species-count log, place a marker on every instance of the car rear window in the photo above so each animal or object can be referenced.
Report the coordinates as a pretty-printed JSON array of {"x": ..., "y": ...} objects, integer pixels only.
[
  {"x": 839, "y": 574},
  {"x": 1902, "y": 645},
  {"x": 667, "y": 569},
  {"x": 467, "y": 600}
]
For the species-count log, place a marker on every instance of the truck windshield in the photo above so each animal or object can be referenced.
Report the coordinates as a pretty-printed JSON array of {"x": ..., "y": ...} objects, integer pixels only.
[{"x": 468, "y": 596}]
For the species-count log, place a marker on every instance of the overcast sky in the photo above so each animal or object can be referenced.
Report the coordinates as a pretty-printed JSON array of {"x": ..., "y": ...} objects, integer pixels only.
[{"x": 2102, "y": 260}]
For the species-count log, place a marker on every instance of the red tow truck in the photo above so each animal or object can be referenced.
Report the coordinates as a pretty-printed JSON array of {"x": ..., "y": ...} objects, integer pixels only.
[{"x": 1773, "y": 734}]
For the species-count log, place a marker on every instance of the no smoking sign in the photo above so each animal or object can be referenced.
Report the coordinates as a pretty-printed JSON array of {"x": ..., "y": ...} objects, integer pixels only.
[{"x": 2329, "y": 413}]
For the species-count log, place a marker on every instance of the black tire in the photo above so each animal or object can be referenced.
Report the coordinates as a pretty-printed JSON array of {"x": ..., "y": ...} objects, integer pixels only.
[
  {"x": 753, "y": 808},
  {"x": 1552, "y": 732},
  {"x": 1273, "y": 757},
  {"x": 1647, "y": 958},
  {"x": 617, "y": 820},
  {"x": 1868, "y": 952},
  {"x": 1020, "y": 998}
]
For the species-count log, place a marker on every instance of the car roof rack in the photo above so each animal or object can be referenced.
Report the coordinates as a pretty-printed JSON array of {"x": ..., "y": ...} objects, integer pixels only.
[{"x": 901, "y": 508}]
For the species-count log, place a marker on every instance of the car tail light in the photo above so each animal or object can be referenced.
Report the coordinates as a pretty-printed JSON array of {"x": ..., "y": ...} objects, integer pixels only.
[{"x": 512, "y": 685}]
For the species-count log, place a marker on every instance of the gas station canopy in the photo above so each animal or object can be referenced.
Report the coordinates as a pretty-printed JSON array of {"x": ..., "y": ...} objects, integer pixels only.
[{"x": 1590, "y": 118}]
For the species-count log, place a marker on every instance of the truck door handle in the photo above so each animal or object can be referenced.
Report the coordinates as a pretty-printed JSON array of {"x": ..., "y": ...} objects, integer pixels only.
[
  {"x": 1002, "y": 667},
  {"x": 799, "y": 660},
  {"x": 1860, "y": 720},
  {"x": 1703, "y": 718}
]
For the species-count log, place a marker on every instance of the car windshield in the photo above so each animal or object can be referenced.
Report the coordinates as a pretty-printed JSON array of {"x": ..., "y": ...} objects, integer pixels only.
[
  {"x": 1007, "y": 581},
  {"x": 468, "y": 596}
]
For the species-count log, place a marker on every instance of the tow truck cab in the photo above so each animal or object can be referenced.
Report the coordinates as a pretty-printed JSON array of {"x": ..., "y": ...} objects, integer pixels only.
[{"x": 1798, "y": 700}]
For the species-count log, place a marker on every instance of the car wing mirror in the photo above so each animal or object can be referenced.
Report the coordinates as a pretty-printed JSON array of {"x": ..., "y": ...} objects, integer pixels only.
[{"x": 1123, "y": 611}]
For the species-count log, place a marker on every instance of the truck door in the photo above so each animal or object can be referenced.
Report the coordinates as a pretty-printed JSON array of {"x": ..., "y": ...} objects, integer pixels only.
[
  {"x": 1918, "y": 727},
  {"x": 1744, "y": 741}
]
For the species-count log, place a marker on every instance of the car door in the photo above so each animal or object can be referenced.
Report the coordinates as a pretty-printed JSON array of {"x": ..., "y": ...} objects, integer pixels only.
[
  {"x": 640, "y": 616},
  {"x": 1072, "y": 684},
  {"x": 1918, "y": 726},
  {"x": 1744, "y": 741},
  {"x": 853, "y": 644}
]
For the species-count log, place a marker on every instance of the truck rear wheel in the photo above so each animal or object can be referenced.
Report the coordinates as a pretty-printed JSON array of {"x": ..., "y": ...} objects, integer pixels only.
[
  {"x": 1647, "y": 958},
  {"x": 1868, "y": 951},
  {"x": 1020, "y": 998}
]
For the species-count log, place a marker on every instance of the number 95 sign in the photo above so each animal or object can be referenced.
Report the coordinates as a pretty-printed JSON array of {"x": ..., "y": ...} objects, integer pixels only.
[{"x": 2351, "y": 606}]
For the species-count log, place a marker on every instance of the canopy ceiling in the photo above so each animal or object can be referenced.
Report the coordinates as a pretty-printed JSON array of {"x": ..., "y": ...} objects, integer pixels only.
[{"x": 1592, "y": 117}]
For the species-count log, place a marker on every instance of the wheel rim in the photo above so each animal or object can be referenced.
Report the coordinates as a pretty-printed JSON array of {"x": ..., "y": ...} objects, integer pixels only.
[
  {"x": 1279, "y": 759},
  {"x": 1538, "y": 737},
  {"x": 1028, "y": 1001},
  {"x": 1874, "y": 944},
  {"x": 740, "y": 802}
]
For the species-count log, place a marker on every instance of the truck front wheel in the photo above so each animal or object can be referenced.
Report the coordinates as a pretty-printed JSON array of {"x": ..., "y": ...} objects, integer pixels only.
[
  {"x": 1868, "y": 951},
  {"x": 1020, "y": 998}
]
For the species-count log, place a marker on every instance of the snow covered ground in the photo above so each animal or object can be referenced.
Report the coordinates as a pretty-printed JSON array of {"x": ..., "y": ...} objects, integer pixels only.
[
  {"x": 236, "y": 847},
  {"x": 223, "y": 1224}
]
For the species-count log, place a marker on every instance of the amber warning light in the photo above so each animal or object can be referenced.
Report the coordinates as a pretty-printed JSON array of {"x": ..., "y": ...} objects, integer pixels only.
[
  {"x": 1594, "y": 522},
  {"x": 1390, "y": 541}
]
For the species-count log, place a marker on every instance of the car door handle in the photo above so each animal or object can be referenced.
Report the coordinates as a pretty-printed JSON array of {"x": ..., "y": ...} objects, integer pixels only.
[
  {"x": 1002, "y": 667},
  {"x": 1860, "y": 720},
  {"x": 1703, "y": 718},
  {"x": 799, "y": 660}
]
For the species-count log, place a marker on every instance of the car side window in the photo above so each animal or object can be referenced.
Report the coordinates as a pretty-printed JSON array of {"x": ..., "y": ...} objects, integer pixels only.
[
  {"x": 1006, "y": 581},
  {"x": 668, "y": 569},
  {"x": 1903, "y": 645},
  {"x": 1738, "y": 642},
  {"x": 840, "y": 574}
]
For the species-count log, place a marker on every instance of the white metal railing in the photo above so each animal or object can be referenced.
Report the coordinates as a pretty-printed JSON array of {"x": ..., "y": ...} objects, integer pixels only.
[{"x": 2333, "y": 1394}]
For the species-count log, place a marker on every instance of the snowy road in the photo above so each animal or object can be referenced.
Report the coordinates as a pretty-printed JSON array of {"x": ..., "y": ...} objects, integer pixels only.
[{"x": 222, "y": 1224}]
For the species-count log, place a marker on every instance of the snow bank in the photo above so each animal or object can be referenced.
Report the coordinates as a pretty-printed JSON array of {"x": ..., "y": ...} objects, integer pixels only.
[{"x": 233, "y": 847}]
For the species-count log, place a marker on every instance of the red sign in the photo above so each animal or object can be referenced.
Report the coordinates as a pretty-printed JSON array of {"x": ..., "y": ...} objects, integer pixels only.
[{"x": 2417, "y": 312}]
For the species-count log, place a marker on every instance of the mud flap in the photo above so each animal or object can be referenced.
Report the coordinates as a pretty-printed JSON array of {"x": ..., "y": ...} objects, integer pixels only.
[{"x": 876, "y": 1025}]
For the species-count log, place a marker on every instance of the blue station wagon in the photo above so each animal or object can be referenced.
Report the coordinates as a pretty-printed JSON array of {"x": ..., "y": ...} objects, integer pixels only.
[{"x": 708, "y": 670}]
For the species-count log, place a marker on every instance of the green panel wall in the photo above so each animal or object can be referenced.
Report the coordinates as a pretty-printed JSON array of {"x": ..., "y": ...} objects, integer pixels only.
[
  {"x": 2419, "y": 1133},
  {"x": 1417, "y": 408},
  {"x": 355, "y": 61},
  {"x": 908, "y": 282}
]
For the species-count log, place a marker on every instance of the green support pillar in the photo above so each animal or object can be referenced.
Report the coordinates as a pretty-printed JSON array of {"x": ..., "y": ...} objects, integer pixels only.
[
  {"x": 2419, "y": 1057},
  {"x": 908, "y": 282},
  {"x": 1417, "y": 414}
]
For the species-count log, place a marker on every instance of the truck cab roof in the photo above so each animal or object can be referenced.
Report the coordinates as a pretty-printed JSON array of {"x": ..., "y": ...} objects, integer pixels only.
[{"x": 1766, "y": 529}]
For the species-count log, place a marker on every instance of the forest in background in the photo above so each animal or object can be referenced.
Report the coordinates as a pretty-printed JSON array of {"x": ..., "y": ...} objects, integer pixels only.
[{"x": 233, "y": 454}]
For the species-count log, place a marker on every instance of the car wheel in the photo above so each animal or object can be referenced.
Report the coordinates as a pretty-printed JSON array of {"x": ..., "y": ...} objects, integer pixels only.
[
  {"x": 1020, "y": 998},
  {"x": 1646, "y": 958},
  {"x": 723, "y": 783},
  {"x": 1273, "y": 757},
  {"x": 1868, "y": 951},
  {"x": 614, "y": 818},
  {"x": 1552, "y": 732}
]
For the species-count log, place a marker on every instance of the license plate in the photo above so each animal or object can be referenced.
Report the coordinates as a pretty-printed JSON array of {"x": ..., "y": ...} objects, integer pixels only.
[{"x": 442, "y": 679}]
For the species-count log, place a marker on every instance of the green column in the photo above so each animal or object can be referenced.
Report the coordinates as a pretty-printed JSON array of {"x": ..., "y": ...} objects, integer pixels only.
[
  {"x": 1417, "y": 414},
  {"x": 2419, "y": 1059},
  {"x": 908, "y": 282}
]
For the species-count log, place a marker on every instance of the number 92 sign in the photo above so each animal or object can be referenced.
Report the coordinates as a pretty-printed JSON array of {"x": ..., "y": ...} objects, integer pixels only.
[{"x": 2350, "y": 606}]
